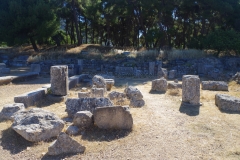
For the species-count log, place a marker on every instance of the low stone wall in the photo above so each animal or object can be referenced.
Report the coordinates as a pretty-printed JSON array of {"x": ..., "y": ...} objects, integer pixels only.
[{"x": 18, "y": 78}]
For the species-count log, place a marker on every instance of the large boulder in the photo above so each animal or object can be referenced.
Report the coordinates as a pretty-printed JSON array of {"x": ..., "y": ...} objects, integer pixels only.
[
  {"x": 191, "y": 89},
  {"x": 159, "y": 85},
  {"x": 72, "y": 130},
  {"x": 9, "y": 110},
  {"x": 115, "y": 117},
  {"x": 83, "y": 119},
  {"x": 59, "y": 80},
  {"x": 65, "y": 144},
  {"x": 117, "y": 97},
  {"x": 215, "y": 85},
  {"x": 133, "y": 93},
  {"x": 37, "y": 124},
  {"x": 226, "y": 102},
  {"x": 99, "y": 82},
  {"x": 73, "y": 105}
]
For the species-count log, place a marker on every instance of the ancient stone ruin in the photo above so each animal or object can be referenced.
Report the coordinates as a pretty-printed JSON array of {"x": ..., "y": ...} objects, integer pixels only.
[{"x": 191, "y": 89}]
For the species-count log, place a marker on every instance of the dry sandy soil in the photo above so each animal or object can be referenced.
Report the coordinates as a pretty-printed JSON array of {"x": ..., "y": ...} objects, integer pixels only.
[{"x": 163, "y": 128}]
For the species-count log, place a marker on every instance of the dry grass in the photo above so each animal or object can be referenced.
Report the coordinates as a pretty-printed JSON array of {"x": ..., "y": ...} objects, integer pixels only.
[
  {"x": 163, "y": 129},
  {"x": 174, "y": 92}
]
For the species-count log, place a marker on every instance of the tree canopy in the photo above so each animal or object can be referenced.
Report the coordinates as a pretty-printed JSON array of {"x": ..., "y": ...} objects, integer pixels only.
[{"x": 151, "y": 23}]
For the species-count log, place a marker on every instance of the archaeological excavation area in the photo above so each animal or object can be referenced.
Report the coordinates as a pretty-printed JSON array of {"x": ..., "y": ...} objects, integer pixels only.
[{"x": 102, "y": 116}]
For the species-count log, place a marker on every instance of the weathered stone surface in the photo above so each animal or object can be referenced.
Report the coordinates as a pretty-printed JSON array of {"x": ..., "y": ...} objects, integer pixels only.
[
  {"x": 151, "y": 68},
  {"x": 137, "y": 103},
  {"x": 162, "y": 72},
  {"x": 172, "y": 74},
  {"x": 2, "y": 65},
  {"x": 72, "y": 130},
  {"x": 99, "y": 81},
  {"x": 191, "y": 89},
  {"x": 59, "y": 80},
  {"x": 117, "y": 97},
  {"x": 65, "y": 144},
  {"x": 173, "y": 85},
  {"x": 5, "y": 80},
  {"x": 133, "y": 93},
  {"x": 226, "y": 102},
  {"x": 109, "y": 84},
  {"x": 215, "y": 85},
  {"x": 115, "y": 117},
  {"x": 175, "y": 80},
  {"x": 83, "y": 119},
  {"x": 10, "y": 109},
  {"x": 97, "y": 92},
  {"x": 159, "y": 85},
  {"x": 84, "y": 94},
  {"x": 31, "y": 98},
  {"x": 73, "y": 105},
  {"x": 73, "y": 81},
  {"x": 37, "y": 124},
  {"x": 35, "y": 68}
]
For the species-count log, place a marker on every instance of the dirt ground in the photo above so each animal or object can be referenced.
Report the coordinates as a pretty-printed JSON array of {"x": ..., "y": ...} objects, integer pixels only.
[{"x": 163, "y": 128}]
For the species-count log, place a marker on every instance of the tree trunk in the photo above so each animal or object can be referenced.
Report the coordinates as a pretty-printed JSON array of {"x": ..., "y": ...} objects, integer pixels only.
[
  {"x": 85, "y": 29},
  {"x": 79, "y": 42},
  {"x": 33, "y": 44}
]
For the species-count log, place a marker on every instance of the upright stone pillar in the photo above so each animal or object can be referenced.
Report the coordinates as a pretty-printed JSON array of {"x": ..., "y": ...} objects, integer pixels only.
[
  {"x": 80, "y": 66},
  {"x": 59, "y": 80},
  {"x": 191, "y": 89},
  {"x": 151, "y": 68}
]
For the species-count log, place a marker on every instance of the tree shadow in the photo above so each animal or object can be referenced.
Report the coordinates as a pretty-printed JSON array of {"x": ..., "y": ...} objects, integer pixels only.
[
  {"x": 96, "y": 134},
  {"x": 189, "y": 109},
  {"x": 14, "y": 142}
]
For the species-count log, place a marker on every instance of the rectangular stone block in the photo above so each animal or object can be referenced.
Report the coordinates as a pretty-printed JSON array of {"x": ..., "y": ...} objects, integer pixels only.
[
  {"x": 226, "y": 102},
  {"x": 97, "y": 92},
  {"x": 115, "y": 117},
  {"x": 31, "y": 98},
  {"x": 73, "y": 81},
  {"x": 59, "y": 80},
  {"x": 73, "y": 105},
  {"x": 151, "y": 68},
  {"x": 215, "y": 85},
  {"x": 191, "y": 89}
]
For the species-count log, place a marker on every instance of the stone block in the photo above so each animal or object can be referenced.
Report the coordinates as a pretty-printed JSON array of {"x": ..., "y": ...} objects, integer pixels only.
[
  {"x": 151, "y": 68},
  {"x": 172, "y": 74},
  {"x": 191, "y": 89},
  {"x": 73, "y": 105},
  {"x": 10, "y": 109},
  {"x": 24, "y": 77},
  {"x": 84, "y": 94},
  {"x": 115, "y": 117},
  {"x": 159, "y": 85},
  {"x": 31, "y": 98},
  {"x": 83, "y": 119},
  {"x": 174, "y": 85},
  {"x": 109, "y": 84},
  {"x": 227, "y": 103},
  {"x": 97, "y": 92},
  {"x": 5, "y": 80},
  {"x": 215, "y": 85},
  {"x": 59, "y": 80}
]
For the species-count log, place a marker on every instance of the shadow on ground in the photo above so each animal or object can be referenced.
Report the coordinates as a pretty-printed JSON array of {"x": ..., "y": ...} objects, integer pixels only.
[
  {"x": 63, "y": 156},
  {"x": 156, "y": 92},
  {"x": 191, "y": 110},
  {"x": 13, "y": 142},
  {"x": 96, "y": 134}
]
